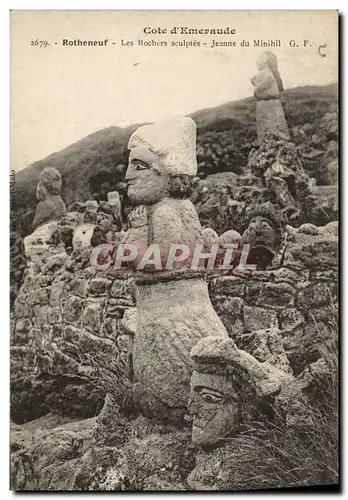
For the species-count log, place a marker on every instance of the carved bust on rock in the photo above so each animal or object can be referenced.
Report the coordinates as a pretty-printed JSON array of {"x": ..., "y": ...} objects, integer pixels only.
[
  {"x": 50, "y": 206},
  {"x": 268, "y": 85},
  {"x": 162, "y": 162}
]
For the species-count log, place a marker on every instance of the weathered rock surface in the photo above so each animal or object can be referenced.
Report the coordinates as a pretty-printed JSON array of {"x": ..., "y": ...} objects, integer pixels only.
[
  {"x": 65, "y": 326},
  {"x": 55, "y": 454}
]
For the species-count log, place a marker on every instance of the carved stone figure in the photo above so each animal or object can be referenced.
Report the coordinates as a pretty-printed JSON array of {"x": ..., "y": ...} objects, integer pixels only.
[
  {"x": 264, "y": 235},
  {"x": 173, "y": 308},
  {"x": 268, "y": 85},
  {"x": 228, "y": 389},
  {"x": 50, "y": 206}
]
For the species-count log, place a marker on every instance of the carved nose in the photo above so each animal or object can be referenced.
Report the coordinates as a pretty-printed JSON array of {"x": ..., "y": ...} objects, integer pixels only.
[
  {"x": 128, "y": 176},
  {"x": 192, "y": 406}
]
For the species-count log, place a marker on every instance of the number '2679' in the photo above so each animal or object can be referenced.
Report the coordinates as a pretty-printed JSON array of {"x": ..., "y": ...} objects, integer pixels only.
[{"x": 39, "y": 43}]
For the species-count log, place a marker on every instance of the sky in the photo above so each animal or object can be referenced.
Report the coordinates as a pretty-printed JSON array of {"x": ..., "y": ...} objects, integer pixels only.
[{"x": 60, "y": 94}]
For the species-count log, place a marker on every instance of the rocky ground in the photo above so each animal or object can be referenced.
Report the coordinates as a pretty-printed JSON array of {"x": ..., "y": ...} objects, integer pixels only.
[{"x": 115, "y": 453}]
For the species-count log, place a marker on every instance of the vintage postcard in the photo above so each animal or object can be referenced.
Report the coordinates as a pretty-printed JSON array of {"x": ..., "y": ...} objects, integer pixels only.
[{"x": 174, "y": 250}]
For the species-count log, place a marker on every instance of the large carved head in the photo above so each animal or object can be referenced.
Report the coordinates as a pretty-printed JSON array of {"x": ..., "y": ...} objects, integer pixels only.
[
  {"x": 264, "y": 235},
  {"x": 262, "y": 61},
  {"x": 228, "y": 388},
  {"x": 162, "y": 161},
  {"x": 50, "y": 183}
]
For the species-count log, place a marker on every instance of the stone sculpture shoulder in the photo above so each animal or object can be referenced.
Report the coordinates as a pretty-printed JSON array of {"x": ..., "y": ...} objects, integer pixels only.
[{"x": 175, "y": 221}]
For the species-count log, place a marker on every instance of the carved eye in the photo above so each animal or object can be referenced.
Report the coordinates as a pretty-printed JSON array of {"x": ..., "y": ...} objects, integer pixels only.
[
  {"x": 265, "y": 225},
  {"x": 212, "y": 397},
  {"x": 209, "y": 398},
  {"x": 141, "y": 166}
]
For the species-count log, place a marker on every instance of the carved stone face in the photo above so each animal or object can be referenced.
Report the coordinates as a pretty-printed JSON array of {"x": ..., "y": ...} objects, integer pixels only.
[
  {"x": 260, "y": 232},
  {"x": 262, "y": 61},
  {"x": 216, "y": 409},
  {"x": 263, "y": 240},
  {"x": 146, "y": 185}
]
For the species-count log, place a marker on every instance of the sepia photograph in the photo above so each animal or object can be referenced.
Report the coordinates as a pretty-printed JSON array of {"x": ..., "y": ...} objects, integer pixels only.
[{"x": 174, "y": 250}]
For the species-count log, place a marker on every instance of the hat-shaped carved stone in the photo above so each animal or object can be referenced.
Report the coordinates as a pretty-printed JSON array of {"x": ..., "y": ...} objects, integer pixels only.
[
  {"x": 221, "y": 355},
  {"x": 173, "y": 141}
]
